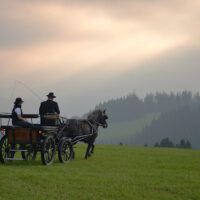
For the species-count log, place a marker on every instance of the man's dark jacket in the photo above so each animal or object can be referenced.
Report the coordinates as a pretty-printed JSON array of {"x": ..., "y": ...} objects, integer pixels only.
[{"x": 48, "y": 107}]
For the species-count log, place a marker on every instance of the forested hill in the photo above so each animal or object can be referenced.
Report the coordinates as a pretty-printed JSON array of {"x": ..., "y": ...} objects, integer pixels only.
[
  {"x": 137, "y": 121},
  {"x": 132, "y": 107},
  {"x": 176, "y": 125}
]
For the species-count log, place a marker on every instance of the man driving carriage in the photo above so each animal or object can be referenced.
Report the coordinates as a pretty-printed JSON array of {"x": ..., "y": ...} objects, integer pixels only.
[
  {"x": 17, "y": 114},
  {"x": 48, "y": 107}
]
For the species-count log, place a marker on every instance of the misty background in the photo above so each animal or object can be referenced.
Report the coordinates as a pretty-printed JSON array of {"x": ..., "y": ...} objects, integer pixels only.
[{"x": 79, "y": 94}]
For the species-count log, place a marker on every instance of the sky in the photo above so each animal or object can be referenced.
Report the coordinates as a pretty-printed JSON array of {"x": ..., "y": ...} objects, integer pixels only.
[{"x": 90, "y": 51}]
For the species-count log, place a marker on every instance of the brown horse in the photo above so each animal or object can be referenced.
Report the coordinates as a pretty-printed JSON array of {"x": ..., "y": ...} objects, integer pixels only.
[{"x": 85, "y": 130}]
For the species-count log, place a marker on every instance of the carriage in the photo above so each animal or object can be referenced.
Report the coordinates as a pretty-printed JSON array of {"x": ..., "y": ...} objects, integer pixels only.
[
  {"x": 30, "y": 141},
  {"x": 49, "y": 139}
]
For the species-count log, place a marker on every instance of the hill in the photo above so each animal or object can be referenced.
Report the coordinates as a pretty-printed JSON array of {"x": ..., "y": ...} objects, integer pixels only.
[
  {"x": 133, "y": 107},
  {"x": 113, "y": 173},
  {"x": 129, "y": 124},
  {"x": 124, "y": 132},
  {"x": 176, "y": 125}
]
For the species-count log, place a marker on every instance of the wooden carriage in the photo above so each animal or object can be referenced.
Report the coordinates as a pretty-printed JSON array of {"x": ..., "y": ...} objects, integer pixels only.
[{"x": 29, "y": 141}]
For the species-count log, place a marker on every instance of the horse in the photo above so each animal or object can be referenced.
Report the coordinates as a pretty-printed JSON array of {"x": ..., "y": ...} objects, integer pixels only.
[{"x": 85, "y": 130}]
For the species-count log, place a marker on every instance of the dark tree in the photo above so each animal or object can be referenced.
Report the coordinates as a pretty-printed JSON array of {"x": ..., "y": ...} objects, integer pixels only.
[{"x": 166, "y": 143}]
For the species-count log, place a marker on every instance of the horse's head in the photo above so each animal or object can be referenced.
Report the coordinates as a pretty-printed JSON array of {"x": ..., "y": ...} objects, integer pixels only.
[
  {"x": 102, "y": 118},
  {"x": 99, "y": 117}
]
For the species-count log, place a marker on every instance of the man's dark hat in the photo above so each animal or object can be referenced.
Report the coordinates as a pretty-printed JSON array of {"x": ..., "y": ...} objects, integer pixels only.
[
  {"x": 51, "y": 94},
  {"x": 18, "y": 100}
]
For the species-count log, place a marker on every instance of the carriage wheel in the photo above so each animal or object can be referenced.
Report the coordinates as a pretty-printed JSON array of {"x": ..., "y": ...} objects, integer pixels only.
[
  {"x": 30, "y": 154},
  {"x": 5, "y": 152},
  {"x": 65, "y": 150},
  {"x": 48, "y": 150}
]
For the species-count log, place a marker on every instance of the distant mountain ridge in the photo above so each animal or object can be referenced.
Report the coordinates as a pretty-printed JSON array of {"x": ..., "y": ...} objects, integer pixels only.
[
  {"x": 183, "y": 123},
  {"x": 178, "y": 119},
  {"x": 132, "y": 107}
]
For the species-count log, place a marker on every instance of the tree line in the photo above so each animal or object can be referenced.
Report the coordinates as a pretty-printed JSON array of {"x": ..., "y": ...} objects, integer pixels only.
[
  {"x": 133, "y": 107},
  {"x": 166, "y": 142},
  {"x": 177, "y": 124},
  {"x": 179, "y": 116}
]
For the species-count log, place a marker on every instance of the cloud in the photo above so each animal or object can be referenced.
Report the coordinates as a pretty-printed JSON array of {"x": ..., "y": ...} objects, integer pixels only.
[
  {"x": 45, "y": 42},
  {"x": 56, "y": 33}
]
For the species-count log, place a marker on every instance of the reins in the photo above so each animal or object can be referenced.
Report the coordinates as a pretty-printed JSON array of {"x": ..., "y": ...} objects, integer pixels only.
[{"x": 97, "y": 123}]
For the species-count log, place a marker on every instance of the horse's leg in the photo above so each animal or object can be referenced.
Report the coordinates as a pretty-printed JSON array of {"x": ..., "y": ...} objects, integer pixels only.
[
  {"x": 92, "y": 151},
  {"x": 87, "y": 151}
]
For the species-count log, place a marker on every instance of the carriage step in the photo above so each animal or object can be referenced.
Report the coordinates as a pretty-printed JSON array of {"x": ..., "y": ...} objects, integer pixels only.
[
  {"x": 19, "y": 150},
  {"x": 14, "y": 159}
]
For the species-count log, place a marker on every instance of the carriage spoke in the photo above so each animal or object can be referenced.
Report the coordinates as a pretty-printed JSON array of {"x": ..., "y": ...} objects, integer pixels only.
[
  {"x": 49, "y": 155},
  {"x": 5, "y": 150},
  {"x": 65, "y": 150},
  {"x": 49, "y": 151}
]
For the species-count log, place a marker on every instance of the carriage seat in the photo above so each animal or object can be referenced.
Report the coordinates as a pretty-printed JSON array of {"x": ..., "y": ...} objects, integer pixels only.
[
  {"x": 9, "y": 127},
  {"x": 16, "y": 126}
]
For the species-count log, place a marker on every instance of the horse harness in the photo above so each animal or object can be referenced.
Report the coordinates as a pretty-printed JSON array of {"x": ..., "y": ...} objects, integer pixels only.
[{"x": 89, "y": 122}]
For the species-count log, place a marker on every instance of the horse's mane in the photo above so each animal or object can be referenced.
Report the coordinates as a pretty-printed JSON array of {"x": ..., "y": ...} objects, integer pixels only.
[{"x": 92, "y": 115}]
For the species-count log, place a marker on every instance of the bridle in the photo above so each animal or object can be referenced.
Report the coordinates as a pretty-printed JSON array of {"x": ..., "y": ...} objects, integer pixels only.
[{"x": 97, "y": 123}]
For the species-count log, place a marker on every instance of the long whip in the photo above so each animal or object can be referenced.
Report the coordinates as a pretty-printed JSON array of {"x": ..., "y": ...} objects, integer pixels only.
[{"x": 27, "y": 87}]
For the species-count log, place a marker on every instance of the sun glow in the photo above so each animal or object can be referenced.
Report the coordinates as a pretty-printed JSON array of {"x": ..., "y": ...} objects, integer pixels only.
[{"x": 76, "y": 37}]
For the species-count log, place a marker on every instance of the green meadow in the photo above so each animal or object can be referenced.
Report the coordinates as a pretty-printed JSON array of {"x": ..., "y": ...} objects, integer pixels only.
[
  {"x": 125, "y": 132},
  {"x": 112, "y": 173}
]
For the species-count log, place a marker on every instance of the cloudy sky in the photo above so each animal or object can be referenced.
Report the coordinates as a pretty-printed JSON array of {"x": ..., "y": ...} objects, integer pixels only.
[{"x": 94, "y": 50}]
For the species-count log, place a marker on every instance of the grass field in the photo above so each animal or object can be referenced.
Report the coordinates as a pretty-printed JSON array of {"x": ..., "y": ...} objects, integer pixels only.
[
  {"x": 124, "y": 131},
  {"x": 113, "y": 173}
]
